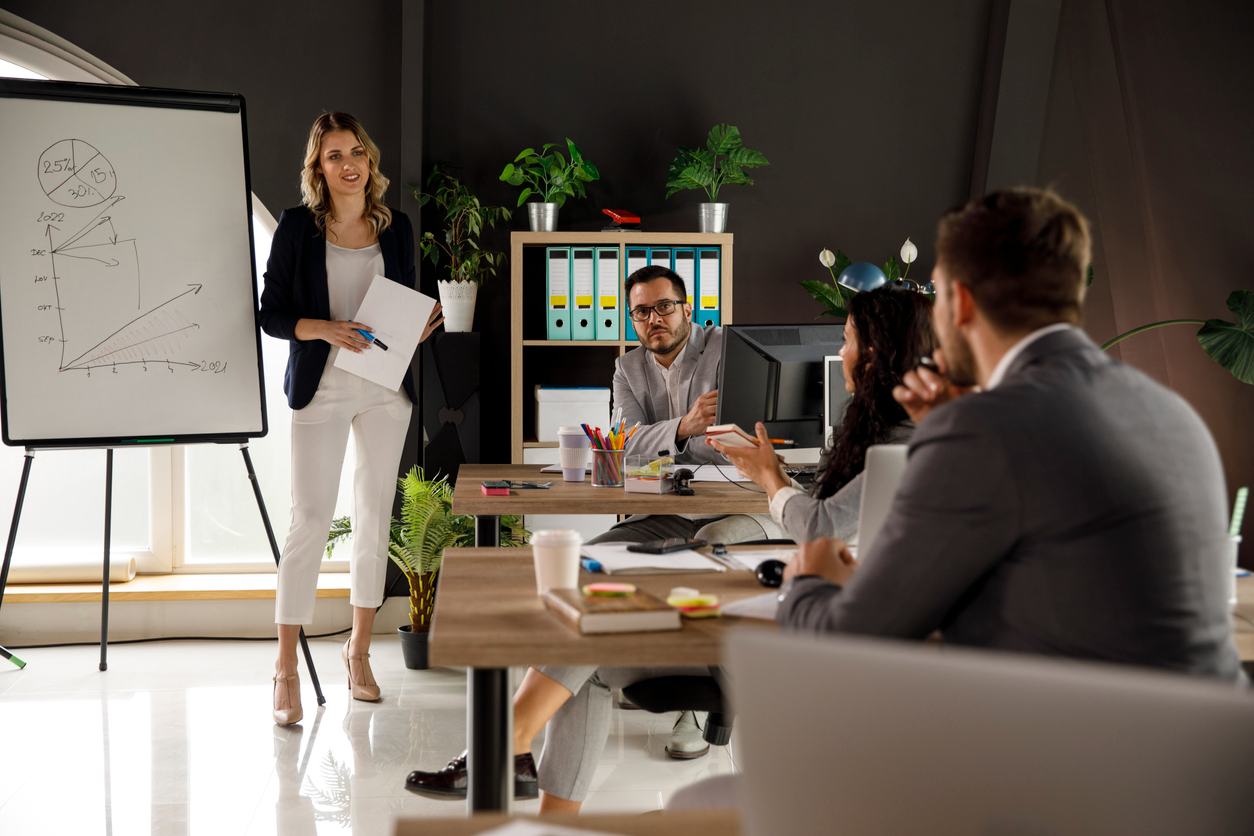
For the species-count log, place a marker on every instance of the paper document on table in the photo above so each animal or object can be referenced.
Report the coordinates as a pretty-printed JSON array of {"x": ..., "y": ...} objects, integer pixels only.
[
  {"x": 557, "y": 468},
  {"x": 396, "y": 316},
  {"x": 761, "y": 607},
  {"x": 718, "y": 473},
  {"x": 616, "y": 560},
  {"x": 750, "y": 559},
  {"x": 523, "y": 827}
]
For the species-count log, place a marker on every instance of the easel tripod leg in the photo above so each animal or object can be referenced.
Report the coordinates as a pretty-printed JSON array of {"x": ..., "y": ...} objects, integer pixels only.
[
  {"x": 8, "y": 550},
  {"x": 274, "y": 549},
  {"x": 104, "y": 581}
]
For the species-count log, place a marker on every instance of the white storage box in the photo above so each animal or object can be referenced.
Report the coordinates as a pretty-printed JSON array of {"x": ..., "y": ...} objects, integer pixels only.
[{"x": 556, "y": 407}]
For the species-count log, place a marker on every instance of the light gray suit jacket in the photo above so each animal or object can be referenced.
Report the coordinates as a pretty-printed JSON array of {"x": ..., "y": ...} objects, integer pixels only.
[
  {"x": 1078, "y": 509},
  {"x": 641, "y": 392}
]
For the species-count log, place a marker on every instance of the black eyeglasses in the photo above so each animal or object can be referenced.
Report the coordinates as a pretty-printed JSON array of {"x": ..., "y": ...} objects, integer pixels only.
[{"x": 666, "y": 307}]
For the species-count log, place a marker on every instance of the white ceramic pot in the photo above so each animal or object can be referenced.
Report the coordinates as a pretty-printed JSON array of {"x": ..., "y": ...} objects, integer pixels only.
[{"x": 458, "y": 301}]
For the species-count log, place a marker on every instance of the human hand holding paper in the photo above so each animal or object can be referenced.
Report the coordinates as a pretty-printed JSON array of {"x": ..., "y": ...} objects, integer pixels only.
[{"x": 396, "y": 314}]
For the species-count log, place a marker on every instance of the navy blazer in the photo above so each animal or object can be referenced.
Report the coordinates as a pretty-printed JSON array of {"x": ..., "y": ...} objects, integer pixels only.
[{"x": 296, "y": 288}]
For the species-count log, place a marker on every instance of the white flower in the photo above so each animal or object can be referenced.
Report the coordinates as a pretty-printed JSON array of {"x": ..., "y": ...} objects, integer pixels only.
[
  {"x": 909, "y": 252},
  {"x": 827, "y": 258}
]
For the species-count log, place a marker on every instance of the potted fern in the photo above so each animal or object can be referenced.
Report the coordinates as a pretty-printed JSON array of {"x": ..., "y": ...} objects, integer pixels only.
[
  {"x": 457, "y": 248},
  {"x": 722, "y": 162},
  {"x": 416, "y": 544}
]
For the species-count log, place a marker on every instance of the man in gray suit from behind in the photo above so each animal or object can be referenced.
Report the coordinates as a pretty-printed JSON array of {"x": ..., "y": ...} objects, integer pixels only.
[{"x": 1069, "y": 506}]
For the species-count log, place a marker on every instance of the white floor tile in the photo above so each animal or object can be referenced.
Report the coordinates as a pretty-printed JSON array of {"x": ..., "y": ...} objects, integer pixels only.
[{"x": 176, "y": 738}]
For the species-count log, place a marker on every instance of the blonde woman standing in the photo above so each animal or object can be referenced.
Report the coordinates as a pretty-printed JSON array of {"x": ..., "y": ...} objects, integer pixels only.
[{"x": 324, "y": 255}]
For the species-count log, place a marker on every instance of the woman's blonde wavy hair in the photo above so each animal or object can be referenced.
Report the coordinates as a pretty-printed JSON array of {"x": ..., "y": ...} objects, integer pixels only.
[{"x": 313, "y": 184}]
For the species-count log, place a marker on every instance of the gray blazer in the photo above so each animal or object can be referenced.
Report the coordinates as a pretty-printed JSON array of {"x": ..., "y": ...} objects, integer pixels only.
[
  {"x": 807, "y": 517},
  {"x": 1077, "y": 510},
  {"x": 641, "y": 392}
]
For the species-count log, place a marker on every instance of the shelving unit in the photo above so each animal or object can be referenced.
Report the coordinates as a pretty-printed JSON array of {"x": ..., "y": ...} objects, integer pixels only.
[{"x": 535, "y": 360}]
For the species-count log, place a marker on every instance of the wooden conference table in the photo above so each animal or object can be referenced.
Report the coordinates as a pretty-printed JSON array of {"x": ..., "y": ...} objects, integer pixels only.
[
  {"x": 488, "y": 617},
  {"x": 581, "y": 498}
]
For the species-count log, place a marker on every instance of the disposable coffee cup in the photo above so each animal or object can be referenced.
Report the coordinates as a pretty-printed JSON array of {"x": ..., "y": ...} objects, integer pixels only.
[
  {"x": 573, "y": 450},
  {"x": 556, "y": 555}
]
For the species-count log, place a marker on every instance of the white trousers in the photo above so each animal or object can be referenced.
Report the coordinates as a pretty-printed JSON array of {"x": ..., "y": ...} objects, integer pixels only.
[{"x": 379, "y": 420}]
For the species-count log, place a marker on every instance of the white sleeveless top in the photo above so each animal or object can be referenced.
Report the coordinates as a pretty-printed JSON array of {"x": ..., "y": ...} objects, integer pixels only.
[{"x": 349, "y": 273}]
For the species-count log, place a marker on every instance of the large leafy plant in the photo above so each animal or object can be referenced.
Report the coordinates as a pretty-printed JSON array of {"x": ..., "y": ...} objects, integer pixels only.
[
  {"x": 465, "y": 219},
  {"x": 549, "y": 177},
  {"x": 1230, "y": 344},
  {"x": 722, "y": 162},
  {"x": 416, "y": 542}
]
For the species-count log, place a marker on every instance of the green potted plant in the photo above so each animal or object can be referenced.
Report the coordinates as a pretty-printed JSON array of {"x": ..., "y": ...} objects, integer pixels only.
[
  {"x": 850, "y": 277},
  {"x": 722, "y": 162},
  {"x": 456, "y": 250},
  {"x": 548, "y": 178},
  {"x": 416, "y": 544},
  {"x": 1230, "y": 344}
]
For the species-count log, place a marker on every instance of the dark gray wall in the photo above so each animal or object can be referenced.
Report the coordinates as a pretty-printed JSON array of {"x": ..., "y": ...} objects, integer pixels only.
[
  {"x": 291, "y": 59},
  {"x": 867, "y": 112}
]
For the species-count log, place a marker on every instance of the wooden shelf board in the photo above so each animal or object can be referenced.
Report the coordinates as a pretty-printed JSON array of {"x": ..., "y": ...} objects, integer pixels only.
[
  {"x": 173, "y": 587},
  {"x": 560, "y": 238},
  {"x": 574, "y": 343}
]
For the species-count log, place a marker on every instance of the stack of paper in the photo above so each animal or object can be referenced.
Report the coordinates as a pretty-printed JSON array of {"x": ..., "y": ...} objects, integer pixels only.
[{"x": 616, "y": 560}]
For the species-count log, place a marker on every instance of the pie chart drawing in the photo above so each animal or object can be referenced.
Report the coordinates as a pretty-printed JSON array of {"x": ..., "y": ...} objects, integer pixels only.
[{"x": 74, "y": 173}]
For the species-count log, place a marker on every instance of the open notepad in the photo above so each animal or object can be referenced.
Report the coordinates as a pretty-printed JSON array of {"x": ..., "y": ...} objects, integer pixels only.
[{"x": 616, "y": 560}]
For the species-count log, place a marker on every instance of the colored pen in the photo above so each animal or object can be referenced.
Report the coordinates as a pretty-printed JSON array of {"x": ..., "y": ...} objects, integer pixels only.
[
  {"x": 590, "y": 565},
  {"x": 372, "y": 338}
]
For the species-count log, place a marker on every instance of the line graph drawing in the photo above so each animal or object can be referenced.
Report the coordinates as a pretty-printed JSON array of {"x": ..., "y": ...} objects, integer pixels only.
[{"x": 97, "y": 282}]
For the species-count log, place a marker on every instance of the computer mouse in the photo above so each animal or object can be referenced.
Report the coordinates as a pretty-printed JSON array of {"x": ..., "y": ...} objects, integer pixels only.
[{"x": 771, "y": 573}]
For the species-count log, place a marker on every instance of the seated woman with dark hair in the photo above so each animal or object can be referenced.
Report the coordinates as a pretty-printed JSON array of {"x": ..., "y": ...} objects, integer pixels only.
[{"x": 886, "y": 334}]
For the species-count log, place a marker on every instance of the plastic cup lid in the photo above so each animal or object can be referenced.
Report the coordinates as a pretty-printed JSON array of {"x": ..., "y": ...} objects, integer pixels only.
[{"x": 555, "y": 537}]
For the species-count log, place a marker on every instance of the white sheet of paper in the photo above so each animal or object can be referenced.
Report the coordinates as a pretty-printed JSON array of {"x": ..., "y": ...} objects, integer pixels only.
[
  {"x": 525, "y": 827},
  {"x": 616, "y": 560},
  {"x": 397, "y": 316},
  {"x": 750, "y": 559},
  {"x": 718, "y": 473}
]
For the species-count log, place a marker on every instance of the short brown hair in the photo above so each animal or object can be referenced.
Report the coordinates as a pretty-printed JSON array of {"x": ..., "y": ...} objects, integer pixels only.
[{"x": 1022, "y": 252}]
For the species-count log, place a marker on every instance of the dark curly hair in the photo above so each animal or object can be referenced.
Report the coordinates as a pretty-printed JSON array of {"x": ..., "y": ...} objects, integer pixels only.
[{"x": 894, "y": 331}]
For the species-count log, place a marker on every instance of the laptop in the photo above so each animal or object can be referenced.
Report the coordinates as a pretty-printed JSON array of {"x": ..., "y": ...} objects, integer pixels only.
[
  {"x": 885, "y": 465},
  {"x": 857, "y": 736}
]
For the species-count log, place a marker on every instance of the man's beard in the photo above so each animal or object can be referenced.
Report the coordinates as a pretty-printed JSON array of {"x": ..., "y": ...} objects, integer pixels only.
[
  {"x": 680, "y": 336},
  {"x": 959, "y": 359}
]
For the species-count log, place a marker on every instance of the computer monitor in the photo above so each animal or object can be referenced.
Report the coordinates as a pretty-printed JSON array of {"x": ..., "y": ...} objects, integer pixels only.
[
  {"x": 835, "y": 395},
  {"x": 774, "y": 374}
]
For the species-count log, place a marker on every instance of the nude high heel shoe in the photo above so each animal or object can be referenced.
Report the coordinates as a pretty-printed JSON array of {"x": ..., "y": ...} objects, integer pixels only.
[
  {"x": 360, "y": 678},
  {"x": 287, "y": 710}
]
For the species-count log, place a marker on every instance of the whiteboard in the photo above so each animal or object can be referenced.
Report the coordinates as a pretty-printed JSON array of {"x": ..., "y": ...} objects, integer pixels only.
[{"x": 127, "y": 281}]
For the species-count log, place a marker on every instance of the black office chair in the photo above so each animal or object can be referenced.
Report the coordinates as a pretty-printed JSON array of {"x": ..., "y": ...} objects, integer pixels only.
[{"x": 665, "y": 694}]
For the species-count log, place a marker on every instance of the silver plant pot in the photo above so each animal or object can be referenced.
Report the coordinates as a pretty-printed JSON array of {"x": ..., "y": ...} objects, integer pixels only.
[
  {"x": 542, "y": 217},
  {"x": 714, "y": 217}
]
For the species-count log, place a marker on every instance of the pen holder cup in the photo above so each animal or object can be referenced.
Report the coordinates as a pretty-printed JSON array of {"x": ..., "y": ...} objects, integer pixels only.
[{"x": 607, "y": 468}]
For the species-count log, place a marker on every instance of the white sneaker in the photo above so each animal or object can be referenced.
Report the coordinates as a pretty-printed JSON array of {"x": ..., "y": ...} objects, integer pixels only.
[{"x": 686, "y": 740}]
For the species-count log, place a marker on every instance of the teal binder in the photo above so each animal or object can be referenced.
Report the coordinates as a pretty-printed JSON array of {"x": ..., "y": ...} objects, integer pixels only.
[
  {"x": 637, "y": 257},
  {"x": 609, "y": 288},
  {"x": 709, "y": 286},
  {"x": 686, "y": 267},
  {"x": 583, "y": 286},
  {"x": 557, "y": 292}
]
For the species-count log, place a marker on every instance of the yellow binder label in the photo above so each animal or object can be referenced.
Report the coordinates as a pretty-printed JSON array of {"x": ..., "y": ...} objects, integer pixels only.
[
  {"x": 609, "y": 302},
  {"x": 709, "y": 302},
  {"x": 583, "y": 301},
  {"x": 557, "y": 301}
]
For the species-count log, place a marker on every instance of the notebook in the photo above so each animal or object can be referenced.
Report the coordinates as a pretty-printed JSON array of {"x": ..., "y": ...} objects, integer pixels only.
[
  {"x": 616, "y": 560},
  {"x": 638, "y": 612}
]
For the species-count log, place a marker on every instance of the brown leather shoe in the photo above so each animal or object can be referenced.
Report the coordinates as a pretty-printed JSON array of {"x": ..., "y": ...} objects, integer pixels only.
[{"x": 450, "y": 782}]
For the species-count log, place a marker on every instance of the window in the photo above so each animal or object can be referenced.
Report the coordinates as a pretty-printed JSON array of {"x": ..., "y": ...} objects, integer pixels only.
[{"x": 174, "y": 509}]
